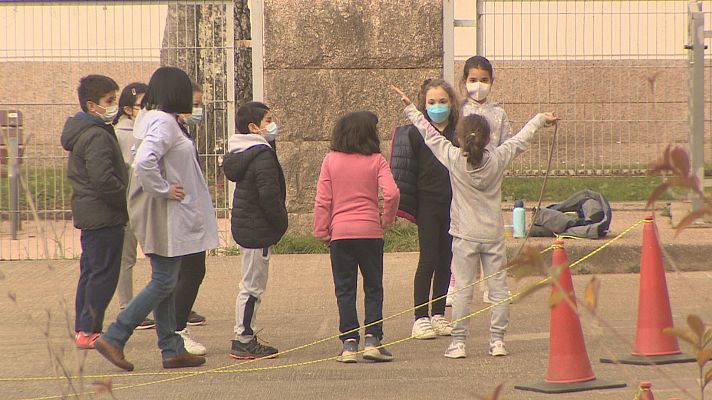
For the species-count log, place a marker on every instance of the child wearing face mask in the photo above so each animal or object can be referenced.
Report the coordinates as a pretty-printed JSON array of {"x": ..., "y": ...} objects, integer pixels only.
[
  {"x": 476, "y": 172},
  {"x": 99, "y": 179},
  {"x": 477, "y": 79},
  {"x": 424, "y": 185},
  {"x": 192, "y": 268},
  {"x": 259, "y": 217},
  {"x": 129, "y": 107}
]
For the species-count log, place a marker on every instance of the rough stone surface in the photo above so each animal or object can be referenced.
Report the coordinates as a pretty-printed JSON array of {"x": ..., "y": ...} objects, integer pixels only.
[
  {"x": 353, "y": 34},
  {"x": 308, "y": 102}
]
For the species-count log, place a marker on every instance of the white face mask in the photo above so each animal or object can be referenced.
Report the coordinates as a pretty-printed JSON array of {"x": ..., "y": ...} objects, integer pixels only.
[
  {"x": 110, "y": 113},
  {"x": 271, "y": 132},
  {"x": 478, "y": 90}
]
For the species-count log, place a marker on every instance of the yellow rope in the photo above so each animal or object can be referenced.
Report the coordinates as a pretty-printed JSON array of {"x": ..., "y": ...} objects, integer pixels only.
[{"x": 176, "y": 375}]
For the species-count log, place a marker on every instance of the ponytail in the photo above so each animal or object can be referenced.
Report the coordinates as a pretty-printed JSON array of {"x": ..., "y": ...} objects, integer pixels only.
[{"x": 473, "y": 133}]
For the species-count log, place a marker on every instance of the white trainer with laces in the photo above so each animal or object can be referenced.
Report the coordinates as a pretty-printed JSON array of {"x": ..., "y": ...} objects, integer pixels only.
[
  {"x": 423, "y": 329},
  {"x": 441, "y": 326},
  {"x": 456, "y": 350},
  {"x": 191, "y": 346},
  {"x": 497, "y": 349}
]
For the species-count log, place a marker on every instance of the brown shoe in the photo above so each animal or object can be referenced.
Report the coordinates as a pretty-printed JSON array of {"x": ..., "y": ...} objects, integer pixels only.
[
  {"x": 113, "y": 354},
  {"x": 184, "y": 360}
]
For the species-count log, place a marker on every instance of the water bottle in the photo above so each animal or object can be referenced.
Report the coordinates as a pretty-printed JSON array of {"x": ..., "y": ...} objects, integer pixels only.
[{"x": 519, "y": 219}]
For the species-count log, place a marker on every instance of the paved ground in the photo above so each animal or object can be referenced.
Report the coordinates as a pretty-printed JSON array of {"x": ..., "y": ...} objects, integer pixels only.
[{"x": 299, "y": 308}]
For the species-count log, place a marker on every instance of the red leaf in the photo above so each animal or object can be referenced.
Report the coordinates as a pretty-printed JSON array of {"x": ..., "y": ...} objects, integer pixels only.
[
  {"x": 680, "y": 161},
  {"x": 657, "y": 193},
  {"x": 690, "y": 218}
]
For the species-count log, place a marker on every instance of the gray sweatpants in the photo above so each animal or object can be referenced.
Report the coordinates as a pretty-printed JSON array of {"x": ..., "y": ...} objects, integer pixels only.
[
  {"x": 466, "y": 257},
  {"x": 128, "y": 260},
  {"x": 255, "y": 265}
]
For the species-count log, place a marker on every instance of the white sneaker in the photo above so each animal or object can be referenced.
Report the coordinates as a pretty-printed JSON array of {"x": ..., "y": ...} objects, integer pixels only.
[
  {"x": 448, "y": 299},
  {"x": 423, "y": 329},
  {"x": 497, "y": 349},
  {"x": 191, "y": 346},
  {"x": 456, "y": 350},
  {"x": 440, "y": 325}
]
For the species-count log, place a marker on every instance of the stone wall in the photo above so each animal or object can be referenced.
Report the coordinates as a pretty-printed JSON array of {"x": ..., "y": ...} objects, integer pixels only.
[{"x": 326, "y": 58}]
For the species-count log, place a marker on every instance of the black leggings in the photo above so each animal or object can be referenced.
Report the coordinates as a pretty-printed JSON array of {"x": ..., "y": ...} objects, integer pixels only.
[
  {"x": 435, "y": 256},
  {"x": 192, "y": 272}
]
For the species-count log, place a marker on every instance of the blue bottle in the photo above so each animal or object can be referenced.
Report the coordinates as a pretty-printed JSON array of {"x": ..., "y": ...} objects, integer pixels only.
[{"x": 519, "y": 219}]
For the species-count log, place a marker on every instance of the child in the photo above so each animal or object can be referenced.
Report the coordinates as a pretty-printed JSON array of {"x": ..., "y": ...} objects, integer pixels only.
[
  {"x": 171, "y": 213},
  {"x": 477, "y": 79},
  {"x": 476, "y": 172},
  {"x": 424, "y": 185},
  {"x": 99, "y": 179},
  {"x": 129, "y": 106},
  {"x": 346, "y": 216},
  {"x": 259, "y": 217},
  {"x": 192, "y": 267}
]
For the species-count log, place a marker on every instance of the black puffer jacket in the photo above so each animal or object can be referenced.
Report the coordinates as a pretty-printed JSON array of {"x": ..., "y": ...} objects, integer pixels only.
[
  {"x": 420, "y": 177},
  {"x": 259, "y": 214},
  {"x": 97, "y": 172}
]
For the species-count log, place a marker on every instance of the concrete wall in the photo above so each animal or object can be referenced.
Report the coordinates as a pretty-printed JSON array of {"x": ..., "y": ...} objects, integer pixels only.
[{"x": 326, "y": 58}]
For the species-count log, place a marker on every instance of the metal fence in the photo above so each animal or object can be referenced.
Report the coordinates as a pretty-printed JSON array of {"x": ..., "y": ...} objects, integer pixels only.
[
  {"x": 46, "y": 47},
  {"x": 616, "y": 71}
]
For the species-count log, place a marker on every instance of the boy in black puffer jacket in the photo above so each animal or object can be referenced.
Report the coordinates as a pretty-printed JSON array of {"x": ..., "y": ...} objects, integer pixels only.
[
  {"x": 259, "y": 217},
  {"x": 99, "y": 179}
]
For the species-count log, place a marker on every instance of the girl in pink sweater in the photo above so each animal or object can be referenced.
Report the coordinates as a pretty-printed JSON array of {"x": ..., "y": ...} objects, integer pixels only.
[{"x": 347, "y": 217}]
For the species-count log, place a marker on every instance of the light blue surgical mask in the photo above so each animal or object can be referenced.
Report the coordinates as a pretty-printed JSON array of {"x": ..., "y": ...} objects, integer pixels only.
[
  {"x": 438, "y": 113},
  {"x": 196, "y": 117},
  {"x": 272, "y": 132}
]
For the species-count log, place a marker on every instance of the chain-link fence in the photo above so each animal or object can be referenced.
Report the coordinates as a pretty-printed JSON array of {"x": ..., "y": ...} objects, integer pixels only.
[
  {"x": 616, "y": 71},
  {"x": 46, "y": 47}
]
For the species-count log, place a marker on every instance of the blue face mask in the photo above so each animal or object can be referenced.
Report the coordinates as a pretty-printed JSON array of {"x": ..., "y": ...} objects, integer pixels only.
[
  {"x": 438, "y": 113},
  {"x": 196, "y": 117}
]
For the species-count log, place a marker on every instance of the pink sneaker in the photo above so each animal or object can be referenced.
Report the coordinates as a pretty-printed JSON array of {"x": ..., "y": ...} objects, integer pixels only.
[{"x": 84, "y": 341}]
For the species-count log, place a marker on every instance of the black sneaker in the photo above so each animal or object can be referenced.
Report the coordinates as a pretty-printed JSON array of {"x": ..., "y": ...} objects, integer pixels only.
[
  {"x": 147, "y": 323},
  {"x": 373, "y": 351},
  {"x": 251, "y": 350},
  {"x": 195, "y": 319}
]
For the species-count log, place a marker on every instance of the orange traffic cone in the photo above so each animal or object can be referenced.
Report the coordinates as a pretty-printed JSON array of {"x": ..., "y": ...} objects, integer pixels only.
[
  {"x": 569, "y": 367},
  {"x": 652, "y": 346},
  {"x": 644, "y": 391}
]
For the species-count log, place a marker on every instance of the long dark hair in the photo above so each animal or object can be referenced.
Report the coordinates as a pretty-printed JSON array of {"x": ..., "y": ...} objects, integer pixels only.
[
  {"x": 128, "y": 97},
  {"x": 356, "y": 133},
  {"x": 473, "y": 134},
  {"x": 454, "y": 102}
]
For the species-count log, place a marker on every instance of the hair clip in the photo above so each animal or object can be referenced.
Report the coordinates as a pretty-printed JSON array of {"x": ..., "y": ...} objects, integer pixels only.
[{"x": 133, "y": 91}]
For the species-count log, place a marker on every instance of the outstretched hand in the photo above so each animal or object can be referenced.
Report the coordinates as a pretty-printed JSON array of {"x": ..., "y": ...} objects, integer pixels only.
[
  {"x": 404, "y": 98},
  {"x": 551, "y": 118}
]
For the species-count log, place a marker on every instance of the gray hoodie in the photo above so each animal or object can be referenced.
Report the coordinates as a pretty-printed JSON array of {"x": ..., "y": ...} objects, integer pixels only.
[{"x": 475, "y": 212}]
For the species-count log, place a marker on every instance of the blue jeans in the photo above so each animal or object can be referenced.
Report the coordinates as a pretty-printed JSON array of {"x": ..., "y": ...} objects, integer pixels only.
[{"x": 158, "y": 296}]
